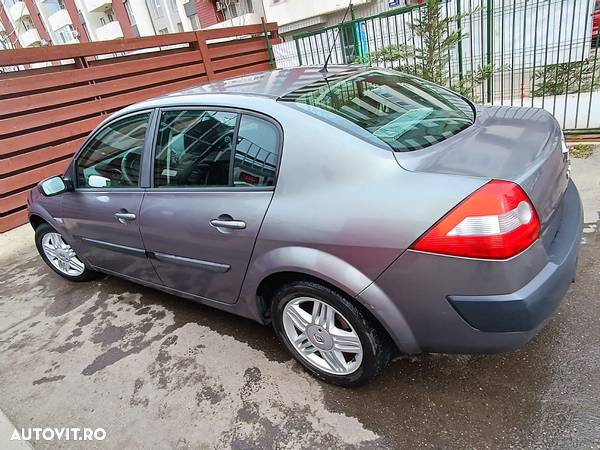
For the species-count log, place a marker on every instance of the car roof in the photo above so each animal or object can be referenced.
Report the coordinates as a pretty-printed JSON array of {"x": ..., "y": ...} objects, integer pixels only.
[{"x": 273, "y": 83}]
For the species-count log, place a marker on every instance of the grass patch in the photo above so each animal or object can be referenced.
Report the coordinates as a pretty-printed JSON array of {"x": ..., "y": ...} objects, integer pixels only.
[{"x": 582, "y": 151}]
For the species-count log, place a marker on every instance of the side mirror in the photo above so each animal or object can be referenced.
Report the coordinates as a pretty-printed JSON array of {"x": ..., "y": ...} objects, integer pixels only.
[
  {"x": 96, "y": 181},
  {"x": 53, "y": 186}
]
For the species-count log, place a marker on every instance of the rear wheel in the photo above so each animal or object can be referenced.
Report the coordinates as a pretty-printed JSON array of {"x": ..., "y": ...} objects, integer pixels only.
[
  {"x": 330, "y": 336},
  {"x": 60, "y": 256}
]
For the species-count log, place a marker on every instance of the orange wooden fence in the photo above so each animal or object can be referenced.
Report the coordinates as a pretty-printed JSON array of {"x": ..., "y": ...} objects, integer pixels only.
[{"x": 46, "y": 113}]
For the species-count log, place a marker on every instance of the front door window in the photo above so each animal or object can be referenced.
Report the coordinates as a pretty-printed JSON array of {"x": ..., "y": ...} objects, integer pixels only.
[{"x": 112, "y": 157}]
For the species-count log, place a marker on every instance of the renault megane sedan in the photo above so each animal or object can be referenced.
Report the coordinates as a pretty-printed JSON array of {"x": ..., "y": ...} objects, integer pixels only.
[{"x": 361, "y": 211}]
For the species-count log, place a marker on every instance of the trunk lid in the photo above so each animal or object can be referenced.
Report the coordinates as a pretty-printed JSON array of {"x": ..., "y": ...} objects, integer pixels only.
[{"x": 522, "y": 145}]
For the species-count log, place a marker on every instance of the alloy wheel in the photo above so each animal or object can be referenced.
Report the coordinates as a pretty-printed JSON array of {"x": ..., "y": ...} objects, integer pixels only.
[
  {"x": 322, "y": 336},
  {"x": 61, "y": 255}
]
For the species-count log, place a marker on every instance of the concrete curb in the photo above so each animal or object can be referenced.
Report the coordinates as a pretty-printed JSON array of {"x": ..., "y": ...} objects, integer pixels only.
[{"x": 6, "y": 431}]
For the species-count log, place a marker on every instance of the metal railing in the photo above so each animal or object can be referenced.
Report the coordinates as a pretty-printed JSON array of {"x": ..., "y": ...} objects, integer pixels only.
[{"x": 538, "y": 53}]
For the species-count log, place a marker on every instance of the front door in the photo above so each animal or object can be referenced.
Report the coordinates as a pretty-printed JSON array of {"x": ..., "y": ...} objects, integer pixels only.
[
  {"x": 213, "y": 180},
  {"x": 102, "y": 213}
]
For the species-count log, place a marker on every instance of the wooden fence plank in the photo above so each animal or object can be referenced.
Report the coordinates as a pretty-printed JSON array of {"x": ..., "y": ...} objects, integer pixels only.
[
  {"x": 230, "y": 48},
  {"x": 37, "y": 157},
  {"x": 13, "y": 220},
  {"x": 58, "y": 79},
  {"x": 72, "y": 112},
  {"x": 68, "y": 51},
  {"x": 25, "y": 179},
  {"x": 227, "y": 63},
  {"x": 43, "y": 137},
  {"x": 12, "y": 202},
  {"x": 52, "y": 98},
  {"x": 243, "y": 71}
]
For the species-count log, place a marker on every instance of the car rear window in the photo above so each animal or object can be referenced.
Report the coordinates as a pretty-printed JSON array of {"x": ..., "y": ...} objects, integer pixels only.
[{"x": 385, "y": 107}]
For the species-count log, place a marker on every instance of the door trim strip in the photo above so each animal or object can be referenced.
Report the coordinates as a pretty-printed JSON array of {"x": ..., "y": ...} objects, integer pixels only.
[
  {"x": 114, "y": 247},
  {"x": 190, "y": 262}
]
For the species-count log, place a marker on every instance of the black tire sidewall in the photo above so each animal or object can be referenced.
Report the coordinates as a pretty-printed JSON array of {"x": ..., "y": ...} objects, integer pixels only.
[
  {"x": 375, "y": 351},
  {"x": 44, "y": 229}
]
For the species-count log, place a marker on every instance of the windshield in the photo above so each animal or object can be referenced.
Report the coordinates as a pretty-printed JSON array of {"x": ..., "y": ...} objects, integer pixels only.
[{"x": 386, "y": 108}]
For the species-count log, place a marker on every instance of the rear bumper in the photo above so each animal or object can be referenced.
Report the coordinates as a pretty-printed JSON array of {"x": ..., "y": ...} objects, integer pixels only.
[
  {"x": 530, "y": 306},
  {"x": 445, "y": 304}
]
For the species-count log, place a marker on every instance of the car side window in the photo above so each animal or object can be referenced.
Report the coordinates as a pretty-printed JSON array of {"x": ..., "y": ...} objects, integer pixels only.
[
  {"x": 256, "y": 152},
  {"x": 111, "y": 159},
  {"x": 193, "y": 148}
]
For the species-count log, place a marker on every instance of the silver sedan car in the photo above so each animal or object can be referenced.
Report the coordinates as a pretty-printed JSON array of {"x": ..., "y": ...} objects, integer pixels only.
[{"x": 361, "y": 211}]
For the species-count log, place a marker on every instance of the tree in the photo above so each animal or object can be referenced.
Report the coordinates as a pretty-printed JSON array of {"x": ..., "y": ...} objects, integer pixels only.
[
  {"x": 438, "y": 38},
  {"x": 564, "y": 78}
]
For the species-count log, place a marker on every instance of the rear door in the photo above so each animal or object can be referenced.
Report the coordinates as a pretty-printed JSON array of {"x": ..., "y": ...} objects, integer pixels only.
[{"x": 213, "y": 179}]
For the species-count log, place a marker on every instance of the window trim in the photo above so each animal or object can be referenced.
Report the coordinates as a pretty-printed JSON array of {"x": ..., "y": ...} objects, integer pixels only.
[
  {"x": 230, "y": 187},
  {"x": 72, "y": 171}
]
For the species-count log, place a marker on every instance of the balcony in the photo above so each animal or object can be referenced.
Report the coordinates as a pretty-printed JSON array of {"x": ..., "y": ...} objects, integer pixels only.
[
  {"x": 59, "y": 19},
  {"x": 111, "y": 30},
  {"x": 18, "y": 11},
  {"x": 97, "y": 5},
  {"x": 30, "y": 38}
]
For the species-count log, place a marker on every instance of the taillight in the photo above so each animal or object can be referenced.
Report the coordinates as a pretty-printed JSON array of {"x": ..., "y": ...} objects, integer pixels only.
[{"x": 497, "y": 221}]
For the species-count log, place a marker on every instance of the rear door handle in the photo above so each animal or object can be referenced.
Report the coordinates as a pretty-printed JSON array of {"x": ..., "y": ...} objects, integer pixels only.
[
  {"x": 124, "y": 217},
  {"x": 233, "y": 224}
]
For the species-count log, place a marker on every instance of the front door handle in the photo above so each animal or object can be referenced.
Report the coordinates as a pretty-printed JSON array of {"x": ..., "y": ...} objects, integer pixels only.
[
  {"x": 124, "y": 217},
  {"x": 233, "y": 224}
]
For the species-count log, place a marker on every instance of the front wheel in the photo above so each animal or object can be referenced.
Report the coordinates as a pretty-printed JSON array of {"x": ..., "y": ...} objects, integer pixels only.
[
  {"x": 330, "y": 336},
  {"x": 60, "y": 256}
]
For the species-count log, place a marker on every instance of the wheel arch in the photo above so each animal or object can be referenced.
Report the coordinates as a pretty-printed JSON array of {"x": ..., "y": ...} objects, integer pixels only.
[
  {"x": 35, "y": 220},
  {"x": 271, "y": 283}
]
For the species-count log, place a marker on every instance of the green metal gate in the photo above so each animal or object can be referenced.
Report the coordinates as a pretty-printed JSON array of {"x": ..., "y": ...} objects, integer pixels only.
[{"x": 539, "y": 53}]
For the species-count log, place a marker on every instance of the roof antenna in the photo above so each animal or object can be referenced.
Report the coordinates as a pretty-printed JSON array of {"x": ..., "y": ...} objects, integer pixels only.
[{"x": 323, "y": 69}]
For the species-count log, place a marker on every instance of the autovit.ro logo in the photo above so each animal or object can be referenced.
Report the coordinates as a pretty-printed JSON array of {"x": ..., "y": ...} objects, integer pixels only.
[{"x": 63, "y": 433}]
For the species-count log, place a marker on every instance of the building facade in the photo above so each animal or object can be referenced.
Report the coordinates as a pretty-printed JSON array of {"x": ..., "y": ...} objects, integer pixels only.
[
  {"x": 31, "y": 23},
  {"x": 28, "y": 23},
  {"x": 299, "y": 16}
]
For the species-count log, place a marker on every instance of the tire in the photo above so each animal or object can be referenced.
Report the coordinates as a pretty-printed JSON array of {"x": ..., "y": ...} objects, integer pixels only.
[
  {"x": 45, "y": 231},
  {"x": 317, "y": 336}
]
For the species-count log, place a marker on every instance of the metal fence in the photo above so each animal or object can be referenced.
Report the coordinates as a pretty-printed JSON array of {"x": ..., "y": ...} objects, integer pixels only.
[{"x": 539, "y": 53}]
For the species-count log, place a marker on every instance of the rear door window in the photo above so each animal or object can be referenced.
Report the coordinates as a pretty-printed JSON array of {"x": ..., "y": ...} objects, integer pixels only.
[
  {"x": 204, "y": 148},
  {"x": 256, "y": 152},
  {"x": 193, "y": 148}
]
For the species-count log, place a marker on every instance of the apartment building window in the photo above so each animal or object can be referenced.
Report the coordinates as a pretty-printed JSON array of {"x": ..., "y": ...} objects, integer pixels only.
[
  {"x": 130, "y": 13},
  {"x": 163, "y": 31},
  {"x": 27, "y": 24},
  {"x": 52, "y": 6},
  {"x": 159, "y": 11},
  {"x": 155, "y": 7},
  {"x": 180, "y": 27},
  {"x": 194, "y": 21},
  {"x": 108, "y": 17},
  {"x": 65, "y": 34},
  {"x": 229, "y": 10}
]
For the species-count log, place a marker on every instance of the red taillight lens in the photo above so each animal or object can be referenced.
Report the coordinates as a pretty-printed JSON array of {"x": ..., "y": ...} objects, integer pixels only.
[{"x": 497, "y": 221}]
